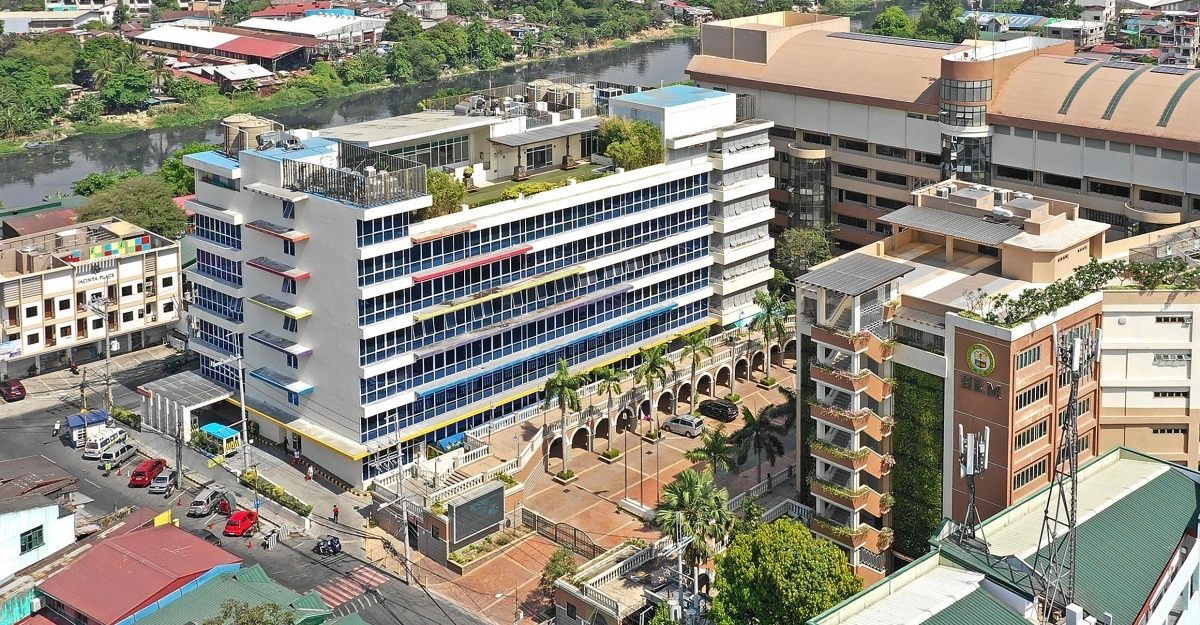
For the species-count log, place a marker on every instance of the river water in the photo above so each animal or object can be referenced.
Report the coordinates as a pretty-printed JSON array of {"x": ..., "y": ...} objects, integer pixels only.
[{"x": 25, "y": 178}]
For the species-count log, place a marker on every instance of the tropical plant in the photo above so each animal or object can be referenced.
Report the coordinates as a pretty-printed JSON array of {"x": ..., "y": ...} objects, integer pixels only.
[
  {"x": 608, "y": 382},
  {"x": 771, "y": 320},
  {"x": 694, "y": 507},
  {"x": 761, "y": 435},
  {"x": 695, "y": 349},
  {"x": 160, "y": 72},
  {"x": 562, "y": 563},
  {"x": 562, "y": 391},
  {"x": 234, "y": 612},
  {"x": 653, "y": 373},
  {"x": 102, "y": 67},
  {"x": 716, "y": 448}
]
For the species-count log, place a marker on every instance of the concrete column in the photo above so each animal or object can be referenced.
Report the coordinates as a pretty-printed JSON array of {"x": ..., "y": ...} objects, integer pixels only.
[{"x": 949, "y": 249}]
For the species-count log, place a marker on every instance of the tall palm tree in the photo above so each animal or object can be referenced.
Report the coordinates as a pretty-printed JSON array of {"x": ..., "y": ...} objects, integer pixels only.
[
  {"x": 788, "y": 407},
  {"x": 159, "y": 72},
  {"x": 562, "y": 391},
  {"x": 608, "y": 382},
  {"x": 693, "y": 506},
  {"x": 716, "y": 448},
  {"x": 695, "y": 349},
  {"x": 731, "y": 339},
  {"x": 653, "y": 373},
  {"x": 771, "y": 320},
  {"x": 102, "y": 67},
  {"x": 761, "y": 435},
  {"x": 132, "y": 52}
]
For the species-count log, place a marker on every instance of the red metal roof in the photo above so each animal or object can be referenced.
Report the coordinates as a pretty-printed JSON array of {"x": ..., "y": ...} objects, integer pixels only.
[
  {"x": 294, "y": 8},
  {"x": 307, "y": 42},
  {"x": 38, "y": 222},
  {"x": 261, "y": 48},
  {"x": 121, "y": 575}
]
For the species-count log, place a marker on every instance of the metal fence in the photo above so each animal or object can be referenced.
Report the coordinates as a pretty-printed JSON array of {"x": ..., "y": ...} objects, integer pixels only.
[
  {"x": 563, "y": 534},
  {"x": 363, "y": 178},
  {"x": 747, "y": 106}
]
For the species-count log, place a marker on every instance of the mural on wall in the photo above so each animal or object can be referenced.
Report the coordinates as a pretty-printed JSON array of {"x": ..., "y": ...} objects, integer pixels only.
[{"x": 116, "y": 248}]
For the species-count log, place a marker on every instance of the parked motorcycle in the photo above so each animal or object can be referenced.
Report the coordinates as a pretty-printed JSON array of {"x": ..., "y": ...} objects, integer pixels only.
[{"x": 329, "y": 546}]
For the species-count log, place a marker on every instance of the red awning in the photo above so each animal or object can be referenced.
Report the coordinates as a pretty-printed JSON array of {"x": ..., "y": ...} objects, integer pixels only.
[{"x": 471, "y": 263}]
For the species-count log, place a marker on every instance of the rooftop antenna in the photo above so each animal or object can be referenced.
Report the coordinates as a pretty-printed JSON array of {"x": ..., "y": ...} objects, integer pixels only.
[
  {"x": 972, "y": 462},
  {"x": 1078, "y": 352}
]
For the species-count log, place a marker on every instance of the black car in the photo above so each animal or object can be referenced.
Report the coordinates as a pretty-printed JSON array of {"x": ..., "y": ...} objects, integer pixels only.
[
  {"x": 719, "y": 409},
  {"x": 207, "y": 536}
]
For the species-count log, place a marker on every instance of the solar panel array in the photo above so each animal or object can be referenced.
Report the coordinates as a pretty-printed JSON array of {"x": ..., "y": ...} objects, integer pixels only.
[
  {"x": 1167, "y": 69},
  {"x": 1081, "y": 60},
  {"x": 1124, "y": 65},
  {"x": 899, "y": 41}
]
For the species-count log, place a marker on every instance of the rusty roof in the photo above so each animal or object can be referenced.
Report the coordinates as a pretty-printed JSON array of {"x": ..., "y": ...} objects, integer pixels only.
[{"x": 33, "y": 474}]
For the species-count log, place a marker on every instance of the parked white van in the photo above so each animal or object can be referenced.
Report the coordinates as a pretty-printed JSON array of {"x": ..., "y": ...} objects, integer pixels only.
[{"x": 102, "y": 440}]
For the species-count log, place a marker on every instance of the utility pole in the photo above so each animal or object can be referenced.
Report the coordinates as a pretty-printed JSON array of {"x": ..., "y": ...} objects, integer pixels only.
[
  {"x": 99, "y": 306},
  {"x": 241, "y": 366},
  {"x": 83, "y": 392},
  {"x": 178, "y": 450}
]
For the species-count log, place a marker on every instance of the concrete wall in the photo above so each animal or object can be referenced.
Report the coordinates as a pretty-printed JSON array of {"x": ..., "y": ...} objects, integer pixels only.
[{"x": 57, "y": 534}]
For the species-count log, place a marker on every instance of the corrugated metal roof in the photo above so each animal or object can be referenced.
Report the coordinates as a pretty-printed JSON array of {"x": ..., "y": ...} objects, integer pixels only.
[
  {"x": 855, "y": 274},
  {"x": 918, "y": 600},
  {"x": 957, "y": 225},
  {"x": 314, "y": 25},
  {"x": 186, "y": 37},
  {"x": 250, "y": 585},
  {"x": 243, "y": 72},
  {"x": 547, "y": 133},
  {"x": 262, "y": 48},
  {"x": 977, "y": 608}
]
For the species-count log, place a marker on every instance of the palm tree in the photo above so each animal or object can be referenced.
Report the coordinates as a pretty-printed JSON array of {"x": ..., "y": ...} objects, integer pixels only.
[
  {"x": 788, "y": 407},
  {"x": 731, "y": 339},
  {"x": 653, "y": 373},
  {"x": 562, "y": 391},
  {"x": 716, "y": 448},
  {"x": 696, "y": 348},
  {"x": 103, "y": 66},
  {"x": 761, "y": 435},
  {"x": 159, "y": 71},
  {"x": 608, "y": 382},
  {"x": 132, "y": 52},
  {"x": 770, "y": 320},
  {"x": 693, "y": 506}
]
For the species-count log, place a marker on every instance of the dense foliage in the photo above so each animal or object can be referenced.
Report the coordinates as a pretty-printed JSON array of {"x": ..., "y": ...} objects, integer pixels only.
[
  {"x": 917, "y": 447},
  {"x": 96, "y": 182},
  {"x": 144, "y": 201},
  {"x": 779, "y": 574},
  {"x": 631, "y": 144},
  {"x": 562, "y": 564},
  {"x": 447, "y": 193}
]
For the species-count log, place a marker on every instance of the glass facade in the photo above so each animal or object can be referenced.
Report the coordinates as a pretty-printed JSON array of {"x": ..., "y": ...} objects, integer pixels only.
[
  {"x": 960, "y": 116},
  {"x": 438, "y": 153},
  {"x": 218, "y": 303},
  {"x": 966, "y": 90},
  {"x": 967, "y": 158},
  {"x": 217, "y": 231},
  {"x": 219, "y": 267},
  {"x": 808, "y": 198}
]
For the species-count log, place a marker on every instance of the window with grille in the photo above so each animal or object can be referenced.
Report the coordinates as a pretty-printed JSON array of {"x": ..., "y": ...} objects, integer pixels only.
[
  {"x": 1172, "y": 393},
  {"x": 1034, "y": 433},
  {"x": 32, "y": 539},
  {"x": 1029, "y": 356},
  {"x": 1173, "y": 319},
  {"x": 1030, "y": 473},
  {"x": 1172, "y": 360},
  {"x": 1035, "y": 393}
]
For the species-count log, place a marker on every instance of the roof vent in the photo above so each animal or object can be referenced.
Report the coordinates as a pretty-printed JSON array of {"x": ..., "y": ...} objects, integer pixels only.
[
  {"x": 1002, "y": 213},
  {"x": 28, "y": 249}
]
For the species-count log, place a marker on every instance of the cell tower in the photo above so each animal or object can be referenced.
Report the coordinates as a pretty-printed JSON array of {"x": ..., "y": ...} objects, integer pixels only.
[
  {"x": 1077, "y": 355},
  {"x": 972, "y": 462}
]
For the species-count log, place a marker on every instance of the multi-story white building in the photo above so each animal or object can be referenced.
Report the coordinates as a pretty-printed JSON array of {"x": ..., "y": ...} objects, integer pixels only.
[
  {"x": 1179, "y": 44},
  {"x": 50, "y": 281},
  {"x": 370, "y": 326}
]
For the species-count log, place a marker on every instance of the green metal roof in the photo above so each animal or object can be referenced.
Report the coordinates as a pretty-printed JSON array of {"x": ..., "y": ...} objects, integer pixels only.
[
  {"x": 1116, "y": 99},
  {"x": 350, "y": 619},
  {"x": 977, "y": 608},
  {"x": 1066, "y": 105},
  {"x": 250, "y": 585}
]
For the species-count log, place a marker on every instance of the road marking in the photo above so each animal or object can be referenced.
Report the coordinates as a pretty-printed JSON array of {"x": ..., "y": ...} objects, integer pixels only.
[
  {"x": 358, "y": 581},
  {"x": 91, "y": 482}
]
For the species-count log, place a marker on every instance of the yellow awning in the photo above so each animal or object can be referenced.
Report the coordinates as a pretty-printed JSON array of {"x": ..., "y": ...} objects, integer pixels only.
[{"x": 511, "y": 289}]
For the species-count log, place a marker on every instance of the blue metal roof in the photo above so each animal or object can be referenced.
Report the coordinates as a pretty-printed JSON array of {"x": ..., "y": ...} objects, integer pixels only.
[
  {"x": 219, "y": 431},
  {"x": 312, "y": 147},
  {"x": 675, "y": 95},
  {"x": 91, "y": 417},
  {"x": 1015, "y": 20},
  {"x": 216, "y": 159}
]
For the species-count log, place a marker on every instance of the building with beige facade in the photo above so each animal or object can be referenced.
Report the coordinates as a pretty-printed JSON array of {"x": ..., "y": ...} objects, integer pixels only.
[
  {"x": 65, "y": 290},
  {"x": 862, "y": 120}
]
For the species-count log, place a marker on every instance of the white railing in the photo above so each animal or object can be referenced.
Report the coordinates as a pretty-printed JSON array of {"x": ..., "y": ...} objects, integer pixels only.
[
  {"x": 772, "y": 481},
  {"x": 471, "y": 443},
  {"x": 477, "y": 453}
]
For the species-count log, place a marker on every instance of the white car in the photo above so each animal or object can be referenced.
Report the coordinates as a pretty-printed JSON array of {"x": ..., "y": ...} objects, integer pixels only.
[{"x": 685, "y": 425}]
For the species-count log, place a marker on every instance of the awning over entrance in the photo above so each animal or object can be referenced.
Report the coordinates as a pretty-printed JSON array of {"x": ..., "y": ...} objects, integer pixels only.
[
  {"x": 168, "y": 403},
  {"x": 547, "y": 133}
]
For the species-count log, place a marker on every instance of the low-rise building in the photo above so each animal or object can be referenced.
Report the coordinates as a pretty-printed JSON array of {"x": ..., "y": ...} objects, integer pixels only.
[
  {"x": 250, "y": 585},
  {"x": 430, "y": 9},
  {"x": 1178, "y": 43},
  {"x": 1135, "y": 560},
  {"x": 35, "y": 22},
  {"x": 350, "y": 30},
  {"x": 32, "y": 527},
  {"x": 1083, "y": 33},
  {"x": 65, "y": 291}
]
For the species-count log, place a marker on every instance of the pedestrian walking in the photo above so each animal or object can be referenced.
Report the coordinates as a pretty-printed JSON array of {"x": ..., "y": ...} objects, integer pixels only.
[
  {"x": 295, "y": 457},
  {"x": 57, "y": 428},
  {"x": 335, "y": 513},
  {"x": 308, "y": 476}
]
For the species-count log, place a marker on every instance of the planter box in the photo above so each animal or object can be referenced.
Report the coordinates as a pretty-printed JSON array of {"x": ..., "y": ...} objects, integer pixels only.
[
  {"x": 766, "y": 386},
  {"x": 652, "y": 441},
  {"x": 854, "y": 464},
  {"x": 607, "y": 460},
  {"x": 853, "y": 503},
  {"x": 840, "y": 341},
  {"x": 566, "y": 481},
  {"x": 843, "y": 381}
]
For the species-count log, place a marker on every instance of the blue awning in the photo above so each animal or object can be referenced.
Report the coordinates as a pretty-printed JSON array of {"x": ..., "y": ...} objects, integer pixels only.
[
  {"x": 450, "y": 442},
  {"x": 219, "y": 431},
  {"x": 91, "y": 417}
]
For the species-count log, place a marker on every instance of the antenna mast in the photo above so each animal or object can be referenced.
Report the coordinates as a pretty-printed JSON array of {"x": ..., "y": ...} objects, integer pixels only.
[
  {"x": 1077, "y": 356},
  {"x": 972, "y": 462}
]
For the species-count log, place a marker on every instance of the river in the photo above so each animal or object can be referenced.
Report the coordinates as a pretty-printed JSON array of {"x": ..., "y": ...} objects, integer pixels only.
[{"x": 25, "y": 178}]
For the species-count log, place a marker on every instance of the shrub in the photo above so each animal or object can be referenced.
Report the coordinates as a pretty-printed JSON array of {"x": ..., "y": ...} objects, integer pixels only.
[
  {"x": 769, "y": 381},
  {"x": 611, "y": 453},
  {"x": 527, "y": 189},
  {"x": 269, "y": 489},
  {"x": 437, "y": 507},
  {"x": 734, "y": 397},
  {"x": 565, "y": 475},
  {"x": 508, "y": 480},
  {"x": 128, "y": 417},
  {"x": 562, "y": 564}
]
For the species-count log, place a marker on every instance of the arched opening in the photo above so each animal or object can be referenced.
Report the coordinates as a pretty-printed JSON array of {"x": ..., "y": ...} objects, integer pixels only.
[
  {"x": 643, "y": 410},
  {"x": 789, "y": 353},
  {"x": 665, "y": 403},
  {"x": 757, "y": 359},
  {"x": 740, "y": 370},
  {"x": 625, "y": 421},
  {"x": 581, "y": 439},
  {"x": 704, "y": 386},
  {"x": 723, "y": 378},
  {"x": 555, "y": 449},
  {"x": 604, "y": 430},
  {"x": 685, "y": 398}
]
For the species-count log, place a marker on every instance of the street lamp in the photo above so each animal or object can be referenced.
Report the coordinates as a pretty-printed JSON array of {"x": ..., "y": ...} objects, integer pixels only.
[{"x": 242, "y": 403}]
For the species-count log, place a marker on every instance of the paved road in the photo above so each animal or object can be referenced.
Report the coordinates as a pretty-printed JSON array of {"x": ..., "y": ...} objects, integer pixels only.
[{"x": 347, "y": 582}]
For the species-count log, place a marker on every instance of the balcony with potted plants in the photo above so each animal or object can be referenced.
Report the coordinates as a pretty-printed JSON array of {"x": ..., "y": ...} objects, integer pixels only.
[{"x": 837, "y": 528}]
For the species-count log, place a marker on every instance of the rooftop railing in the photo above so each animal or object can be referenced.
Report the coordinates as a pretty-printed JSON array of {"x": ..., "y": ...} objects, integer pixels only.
[{"x": 363, "y": 177}]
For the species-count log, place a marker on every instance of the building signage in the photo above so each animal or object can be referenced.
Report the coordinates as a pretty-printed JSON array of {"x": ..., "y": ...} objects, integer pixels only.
[
  {"x": 980, "y": 359},
  {"x": 980, "y": 385},
  {"x": 100, "y": 277},
  {"x": 10, "y": 349}
]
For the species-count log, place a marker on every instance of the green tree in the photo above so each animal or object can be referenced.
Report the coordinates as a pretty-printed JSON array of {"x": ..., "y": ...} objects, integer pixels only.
[
  {"x": 631, "y": 144},
  {"x": 235, "y": 11},
  {"x": 425, "y": 58},
  {"x": 235, "y": 612},
  {"x": 450, "y": 41},
  {"x": 121, "y": 14},
  {"x": 771, "y": 321},
  {"x": 652, "y": 372},
  {"x": 180, "y": 177},
  {"x": 96, "y": 182},
  {"x": 447, "y": 193},
  {"x": 188, "y": 90},
  {"x": 716, "y": 449},
  {"x": 780, "y": 575},
  {"x": 662, "y": 616},
  {"x": 401, "y": 27},
  {"x": 160, "y": 73},
  {"x": 760, "y": 435},
  {"x": 939, "y": 22},
  {"x": 561, "y": 391},
  {"x": 126, "y": 90},
  {"x": 608, "y": 382},
  {"x": 800, "y": 248},
  {"x": 364, "y": 68},
  {"x": 56, "y": 53},
  {"x": 694, "y": 507},
  {"x": 144, "y": 201},
  {"x": 166, "y": 5},
  {"x": 894, "y": 22},
  {"x": 562, "y": 564},
  {"x": 87, "y": 110},
  {"x": 465, "y": 8},
  {"x": 696, "y": 349}
]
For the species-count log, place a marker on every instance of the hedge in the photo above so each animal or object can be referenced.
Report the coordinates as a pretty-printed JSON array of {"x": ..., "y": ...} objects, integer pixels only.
[
  {"x": 268, "y": 488},
  {"x": 127, "y": 417},
  {"x": 917, "y": 445}
]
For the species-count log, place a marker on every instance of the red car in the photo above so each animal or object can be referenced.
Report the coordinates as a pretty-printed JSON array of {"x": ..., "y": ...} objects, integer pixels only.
[
  {"x": 145, "y": 472},
  {"x": 242, "y": 523},
  {"x": 12, "y": 390}
]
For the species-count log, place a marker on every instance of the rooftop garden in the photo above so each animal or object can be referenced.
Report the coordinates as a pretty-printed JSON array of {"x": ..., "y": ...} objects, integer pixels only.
[
  {"x": 1001, "y": 310},
  {"x": 536, "y": 183}
]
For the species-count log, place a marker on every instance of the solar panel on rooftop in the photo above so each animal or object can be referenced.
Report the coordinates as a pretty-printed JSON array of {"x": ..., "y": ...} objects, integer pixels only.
[
  {"x": 1124, "y": 65},
  {"x": 1081, "y": 60},
  {"x": 1166, "y": 69}
]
